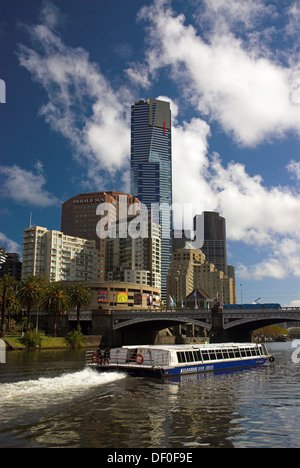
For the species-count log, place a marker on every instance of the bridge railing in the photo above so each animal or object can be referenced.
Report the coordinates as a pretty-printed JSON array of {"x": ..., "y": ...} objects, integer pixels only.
[{"x": 159, "y": 311}]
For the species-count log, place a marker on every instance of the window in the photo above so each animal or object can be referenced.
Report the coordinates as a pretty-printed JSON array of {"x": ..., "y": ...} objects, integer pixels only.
[
  {"x": 197, "y": 355},
  {"x": 205, "y": 355},
  {"x": 181, "y": 356}
]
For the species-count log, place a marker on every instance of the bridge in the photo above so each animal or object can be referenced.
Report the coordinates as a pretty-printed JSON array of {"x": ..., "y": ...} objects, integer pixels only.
[{"x": 221, "y": 324}]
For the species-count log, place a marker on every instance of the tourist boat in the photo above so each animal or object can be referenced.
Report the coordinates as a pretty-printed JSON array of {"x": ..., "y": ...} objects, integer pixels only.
[{"x": 168, "y": 360}]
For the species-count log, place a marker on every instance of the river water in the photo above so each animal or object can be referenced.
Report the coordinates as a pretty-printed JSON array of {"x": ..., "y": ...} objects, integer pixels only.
[{"x": 49, "y": 399}]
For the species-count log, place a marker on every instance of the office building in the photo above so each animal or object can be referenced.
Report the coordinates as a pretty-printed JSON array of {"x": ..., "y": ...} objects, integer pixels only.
[
  {"x": 79, "y": 218},
  {"x": 190, "y": 270},
  {"x": 214, "y": 246},
  {"x": 151, "y": 168},
  {"x": 58, "y": 257}
]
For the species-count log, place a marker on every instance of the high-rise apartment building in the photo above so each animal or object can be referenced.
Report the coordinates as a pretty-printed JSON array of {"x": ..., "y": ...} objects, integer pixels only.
[
  {"x": 135, "y": 260},
  {"x": 58, "y": 257},
  {"x": 151, "y": 168},
  {"x": 79, "y": 218}
]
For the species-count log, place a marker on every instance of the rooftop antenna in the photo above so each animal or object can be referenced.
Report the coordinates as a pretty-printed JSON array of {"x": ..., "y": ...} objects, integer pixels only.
[{"x": 30, "y": 218}]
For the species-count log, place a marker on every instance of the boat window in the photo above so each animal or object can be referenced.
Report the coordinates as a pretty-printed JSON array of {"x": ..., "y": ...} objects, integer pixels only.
[
  {"x": 181, "y": 356},
  {"x": 132, "y": 354},
  {"x": 237, "y": 353},
  {"x": 243, "y": 352},
  {"x": 231, "y": 353},
  {"x": 205, "y": 355},
  {"x": 248, "y": 352},
  {"x": 225, "y": 354},
  {"x": 212, "y": 354},
  {"x": 260, "y": 350},
  {"x": 253, "y": 352},
  {"x": 219, "y": 354},
  {"x": 189, "y": 356},
  {"x": 197, "y": 355}
]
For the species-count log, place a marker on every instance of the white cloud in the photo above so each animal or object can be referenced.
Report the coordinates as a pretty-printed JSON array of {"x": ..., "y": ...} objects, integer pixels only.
[
  {"x": 249, "y": 95},
  {"x": 82, "y": 105},
  {"x": 9, "y": 244},
  {"x": 294, "y": 169},
  {"x": 295, "y": 303},
  {"x": 25, "y": 186}
]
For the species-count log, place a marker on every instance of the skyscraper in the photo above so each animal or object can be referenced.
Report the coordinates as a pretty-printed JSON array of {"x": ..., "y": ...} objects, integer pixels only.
[
  {"x": 151, "y": 168},
  {"x": 214, "y": 246}
]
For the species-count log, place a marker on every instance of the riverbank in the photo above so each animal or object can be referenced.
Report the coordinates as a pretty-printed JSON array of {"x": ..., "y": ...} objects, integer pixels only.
[{"x": 49, "y": 342}]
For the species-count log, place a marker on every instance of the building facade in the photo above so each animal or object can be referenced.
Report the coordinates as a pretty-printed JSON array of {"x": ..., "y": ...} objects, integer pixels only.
[
  {"x": 151, "y": 168},
  {"x": 58, "y": 257},
  {"x": 79, "y": 218},
  {"x": 10, "y": 264},
  {"x": 190, "y": 270},
  {"x": 214, "y": 246},
  {"x": 135, "y": 259}
]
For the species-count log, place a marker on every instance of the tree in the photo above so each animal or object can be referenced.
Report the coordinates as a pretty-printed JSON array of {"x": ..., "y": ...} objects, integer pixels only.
[
  {"x": 7, "y": 283},
  {"x": 13, "y": 305},
  {"x": 79, "y": 296},
  {"x": 75, "y": 339},
  {"x": 29, "y": 293},
  {"x": 55, "y": 300}
]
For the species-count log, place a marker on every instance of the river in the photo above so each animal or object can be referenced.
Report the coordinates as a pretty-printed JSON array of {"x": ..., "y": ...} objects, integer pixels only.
[{"x": 49, "y": 399}]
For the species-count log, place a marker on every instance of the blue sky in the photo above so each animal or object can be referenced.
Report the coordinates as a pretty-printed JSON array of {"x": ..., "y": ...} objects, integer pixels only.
[{"x": 231, "y": 71}]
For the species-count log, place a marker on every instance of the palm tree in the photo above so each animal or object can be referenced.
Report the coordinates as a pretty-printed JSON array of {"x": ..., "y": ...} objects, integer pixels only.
[
  {"x": 13, "y": 305},
  {"x": 7, "y": 282},
  {"x": 55, "y": 300},
  {"x": 79, "y": 296},
  {"x": 29, "y": 293}
]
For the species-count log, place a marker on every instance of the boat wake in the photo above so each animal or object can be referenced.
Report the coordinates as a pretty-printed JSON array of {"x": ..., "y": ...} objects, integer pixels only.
[{"x": 54, "y": 389}]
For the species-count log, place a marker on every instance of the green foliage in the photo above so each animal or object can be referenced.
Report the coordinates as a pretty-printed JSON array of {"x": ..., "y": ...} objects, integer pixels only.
[
  {"x": 29, "y": 293},
  {"x": 79, "y": 296},
  {"x": 271, "y": 330},
  {"x": 31, "y": 339},
  {"x": 75, "y": 339},
  {"x": 7, "y": 282},
  {"x": 55, "y": 300}
]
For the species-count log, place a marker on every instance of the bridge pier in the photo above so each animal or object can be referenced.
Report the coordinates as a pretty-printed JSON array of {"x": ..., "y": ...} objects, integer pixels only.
[{"x": 217, "y": 333}]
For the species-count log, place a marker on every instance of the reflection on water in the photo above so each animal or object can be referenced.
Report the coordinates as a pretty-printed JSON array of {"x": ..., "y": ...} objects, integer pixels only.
[{"x": 51, "y": 400}]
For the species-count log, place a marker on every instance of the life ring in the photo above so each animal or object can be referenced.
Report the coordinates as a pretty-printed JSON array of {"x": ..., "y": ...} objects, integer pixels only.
[
  {"x": 139, "y": 359},
  {"x": 271, "y": 359},
  {"x": 95, "y": 357},
  {"x": 105, "y": 362}
]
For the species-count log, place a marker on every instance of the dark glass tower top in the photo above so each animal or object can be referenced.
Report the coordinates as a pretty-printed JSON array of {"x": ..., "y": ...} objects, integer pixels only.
[{"x": 214, "y": 246}]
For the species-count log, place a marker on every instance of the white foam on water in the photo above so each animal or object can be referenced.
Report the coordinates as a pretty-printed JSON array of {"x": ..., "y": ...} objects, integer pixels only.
[{"x": 58, "y": 388}]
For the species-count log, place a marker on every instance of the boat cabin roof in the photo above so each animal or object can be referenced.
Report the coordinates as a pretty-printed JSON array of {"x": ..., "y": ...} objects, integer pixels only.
[{"x": 184, "y": 347}]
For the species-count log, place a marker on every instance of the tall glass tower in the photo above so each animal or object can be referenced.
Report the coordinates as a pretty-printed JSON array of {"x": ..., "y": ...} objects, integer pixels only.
[{"x": 151, "y": 168}]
